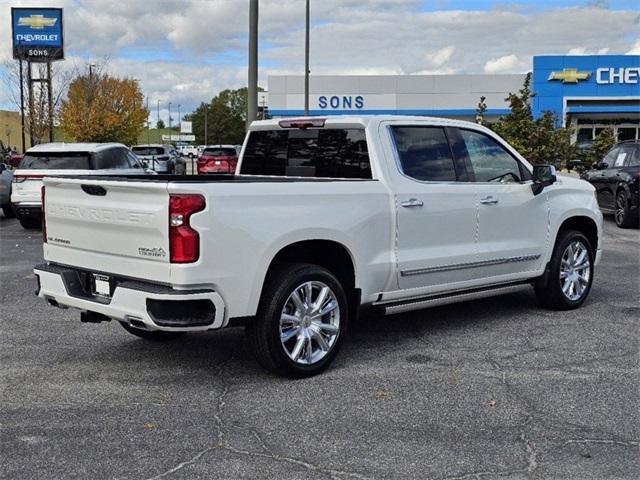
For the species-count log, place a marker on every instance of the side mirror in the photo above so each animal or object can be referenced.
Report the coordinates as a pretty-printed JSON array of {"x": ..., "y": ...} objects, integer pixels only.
[
  {"x": 604, "y": 165},
  {"x": 543, "y": 176}
]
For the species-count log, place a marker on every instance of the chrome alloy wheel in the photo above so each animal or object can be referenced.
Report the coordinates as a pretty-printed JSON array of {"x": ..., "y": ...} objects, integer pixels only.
[
  {"x": 310, "y": 323},
  {"x": 575, "y": 270},
  {"x": 620, "y": 208}
]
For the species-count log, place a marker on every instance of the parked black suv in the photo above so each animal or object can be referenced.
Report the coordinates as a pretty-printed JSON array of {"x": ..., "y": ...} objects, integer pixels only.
[{"x": 616, "y": 179}]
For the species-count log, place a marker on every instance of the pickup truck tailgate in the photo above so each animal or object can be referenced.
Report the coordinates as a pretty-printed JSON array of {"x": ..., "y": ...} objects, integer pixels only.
[{"x": 118, "y": 227}]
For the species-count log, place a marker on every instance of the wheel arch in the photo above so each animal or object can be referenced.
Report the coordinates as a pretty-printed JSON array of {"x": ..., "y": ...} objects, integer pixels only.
[
  {"x": 583, "y": 224},
  {"x": 330, "y": 254}
]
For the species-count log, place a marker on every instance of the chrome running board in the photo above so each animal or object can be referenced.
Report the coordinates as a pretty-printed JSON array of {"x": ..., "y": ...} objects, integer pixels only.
[{"x": 400, "y": 306}]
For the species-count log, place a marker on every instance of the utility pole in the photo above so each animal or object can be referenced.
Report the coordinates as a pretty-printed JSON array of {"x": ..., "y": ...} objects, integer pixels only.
[
  {"x": 306, "y": 62},
  {"x": 206, "y": 115},
  {"x": 158, "y": 114},
  {"x": 179, "y": 125},
  {"x": 50, "y": 101},
  {"x": 169, "y": 122},
  {"x": 252, "y": 100},
  {"x": 22, "y": 107}
]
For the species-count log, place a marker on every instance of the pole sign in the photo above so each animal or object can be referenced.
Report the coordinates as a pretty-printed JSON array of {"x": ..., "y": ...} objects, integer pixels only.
[
  {"x": 37, "y": 34},
  {"x": 186, "y": 127}
]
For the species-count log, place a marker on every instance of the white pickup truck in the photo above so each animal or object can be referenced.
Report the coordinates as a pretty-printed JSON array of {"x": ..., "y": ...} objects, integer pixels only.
[{"x": 323, "y": 217}]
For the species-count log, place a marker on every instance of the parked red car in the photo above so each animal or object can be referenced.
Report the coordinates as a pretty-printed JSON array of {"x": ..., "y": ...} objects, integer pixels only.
[{"x": 218, "y": 159}]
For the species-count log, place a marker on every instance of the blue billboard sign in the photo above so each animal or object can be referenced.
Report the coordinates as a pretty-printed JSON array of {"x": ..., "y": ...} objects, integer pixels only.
[{"x": 37, "y": 34}]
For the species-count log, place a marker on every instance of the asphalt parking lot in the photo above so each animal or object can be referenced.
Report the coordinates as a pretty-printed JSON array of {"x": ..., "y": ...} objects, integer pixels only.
[{"x": 496, "y": 388}]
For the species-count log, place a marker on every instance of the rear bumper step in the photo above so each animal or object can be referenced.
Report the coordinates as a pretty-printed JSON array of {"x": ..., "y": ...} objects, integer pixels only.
[
  {"x": 157, "y": 307},
  {"x": 390, "y": 308}
]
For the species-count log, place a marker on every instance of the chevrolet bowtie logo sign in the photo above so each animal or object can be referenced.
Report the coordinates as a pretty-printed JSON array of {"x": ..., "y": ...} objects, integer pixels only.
[
  {"x": 36, "y": 22},
  {"x": 569, "y": 75}
]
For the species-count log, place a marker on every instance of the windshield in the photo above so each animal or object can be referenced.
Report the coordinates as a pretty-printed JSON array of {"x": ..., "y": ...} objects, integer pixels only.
[
  {"x": 56, "y": 161},
  {"x": 220, "y": 152},
  {"x": 148, "y": 150}
]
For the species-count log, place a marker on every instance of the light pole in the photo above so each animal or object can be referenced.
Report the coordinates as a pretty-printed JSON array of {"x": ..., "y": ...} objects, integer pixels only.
[
  {"x": 158, "y": 114},
  {"x": 179, "y": 125},
  {"x": 169, "y": 122},
  {"x": 252, "y": 91},
  {"x": 206, "y": 115},
  {"x": 306, "y": 62}
]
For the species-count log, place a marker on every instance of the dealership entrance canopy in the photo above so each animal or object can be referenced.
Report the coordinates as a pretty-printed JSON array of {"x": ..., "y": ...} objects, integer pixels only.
[{"x": 585, "y": 92}]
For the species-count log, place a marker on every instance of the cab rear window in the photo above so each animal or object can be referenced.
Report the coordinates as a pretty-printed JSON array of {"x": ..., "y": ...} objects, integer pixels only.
[
  {"x": 324, "y": 153},
  {"x": 56, "y": 161}
]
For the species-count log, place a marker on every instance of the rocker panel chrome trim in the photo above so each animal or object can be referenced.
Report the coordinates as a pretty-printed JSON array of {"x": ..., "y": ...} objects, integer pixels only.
[
  {"x": 419, "y": 304},
  {"x": 462, "y": 266}
]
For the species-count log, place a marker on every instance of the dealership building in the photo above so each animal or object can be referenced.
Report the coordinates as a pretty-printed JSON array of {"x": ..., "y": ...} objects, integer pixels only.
[{"x": 585, "y": 92}]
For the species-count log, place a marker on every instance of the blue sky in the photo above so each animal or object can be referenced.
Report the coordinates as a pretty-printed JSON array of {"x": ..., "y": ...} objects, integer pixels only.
[{"x": 186, "y": 51}]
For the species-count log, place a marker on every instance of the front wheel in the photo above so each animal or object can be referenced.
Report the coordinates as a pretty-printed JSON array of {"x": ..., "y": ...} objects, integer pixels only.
[
  {"x": 570, "y": 273},
  {"x": 301, "y": 321},
  {"x": 155, "y": 335},
  {"x": 623, "y": 214}
]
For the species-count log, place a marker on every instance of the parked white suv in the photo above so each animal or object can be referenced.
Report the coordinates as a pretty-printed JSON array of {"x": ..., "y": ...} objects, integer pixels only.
[
  {"x": 56, "y": 159},
  {"x": 323, "y": 217}
]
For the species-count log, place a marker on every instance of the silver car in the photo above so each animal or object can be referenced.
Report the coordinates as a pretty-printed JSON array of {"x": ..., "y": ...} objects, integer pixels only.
[
  {"x": 160, "y": 158},
  {"x": 6, "y": 177}
]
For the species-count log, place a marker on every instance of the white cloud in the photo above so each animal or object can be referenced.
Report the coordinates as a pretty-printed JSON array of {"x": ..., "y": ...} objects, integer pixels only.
[
  {"x": 635, "y": 49},
  {"x": 507, "y": 63}
]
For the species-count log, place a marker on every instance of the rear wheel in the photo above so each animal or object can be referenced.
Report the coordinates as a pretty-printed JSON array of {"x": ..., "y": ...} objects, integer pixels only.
[
  {"x": 623, "y": 214},
  {"x": 30, "y": 223},
  {"x": 570, "y": 273},
  {"x": 155, "y": 335},
  {"x": 8, "y": 211},
  {"x": 301, "y": 321}
]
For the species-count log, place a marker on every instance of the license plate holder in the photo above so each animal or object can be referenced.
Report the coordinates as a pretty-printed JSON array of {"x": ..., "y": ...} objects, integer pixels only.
[{"x": 101, "y": 285}]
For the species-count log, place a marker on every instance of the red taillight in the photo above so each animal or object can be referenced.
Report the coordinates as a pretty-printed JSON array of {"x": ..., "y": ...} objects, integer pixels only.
[
  {"x": 22, "y": 178},
  {"x": 43, "y": 216},
  {"x": 184, "y": 241}
]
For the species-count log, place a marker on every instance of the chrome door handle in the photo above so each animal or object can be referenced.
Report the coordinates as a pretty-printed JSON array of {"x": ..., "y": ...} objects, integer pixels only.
[
  {"x": 412, "y": 202},
  {"x": 490, "y": 200}
]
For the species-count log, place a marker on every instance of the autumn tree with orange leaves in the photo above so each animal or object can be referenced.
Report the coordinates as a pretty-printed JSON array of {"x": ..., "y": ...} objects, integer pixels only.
[{"x": 101, "y": 108}]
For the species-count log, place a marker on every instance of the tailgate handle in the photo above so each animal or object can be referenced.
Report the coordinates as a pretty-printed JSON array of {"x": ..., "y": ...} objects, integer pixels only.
[{"x": 94, "y": 190}]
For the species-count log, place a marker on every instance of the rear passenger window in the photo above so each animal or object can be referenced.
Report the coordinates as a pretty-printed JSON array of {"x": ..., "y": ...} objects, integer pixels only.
[
  {"x": 327, "y": 152},
  {"x": 112, "y": 158},
  {"x": 424, "y": 153},
  {"x": 634, "y": 158},
  {"x": 490, "y": 161}
]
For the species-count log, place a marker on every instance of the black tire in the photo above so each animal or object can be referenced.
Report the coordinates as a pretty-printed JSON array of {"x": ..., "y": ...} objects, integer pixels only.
[
  {"x": 551, "y": 295},
  {"x": 623, "y": 215},
  {"x": 30, "y": 223},
  {"x": 8, "y": 211},
  {"x": 155, "y": 335},
  {"x": 264, "y": 333}
]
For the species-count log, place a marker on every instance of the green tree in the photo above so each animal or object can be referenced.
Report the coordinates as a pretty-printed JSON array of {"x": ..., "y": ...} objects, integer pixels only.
[
  {"x": 160, "y": 124},
  {"x": 226, "y": 118},
  {"x": 481, "y": 110},
  {"x": 539, "y": 140},
  {"x": 601, "y": 145}
]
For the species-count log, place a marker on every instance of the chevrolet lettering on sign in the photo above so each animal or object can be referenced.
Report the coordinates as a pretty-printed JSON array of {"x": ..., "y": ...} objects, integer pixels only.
[{"x": 618, "y": 75}]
